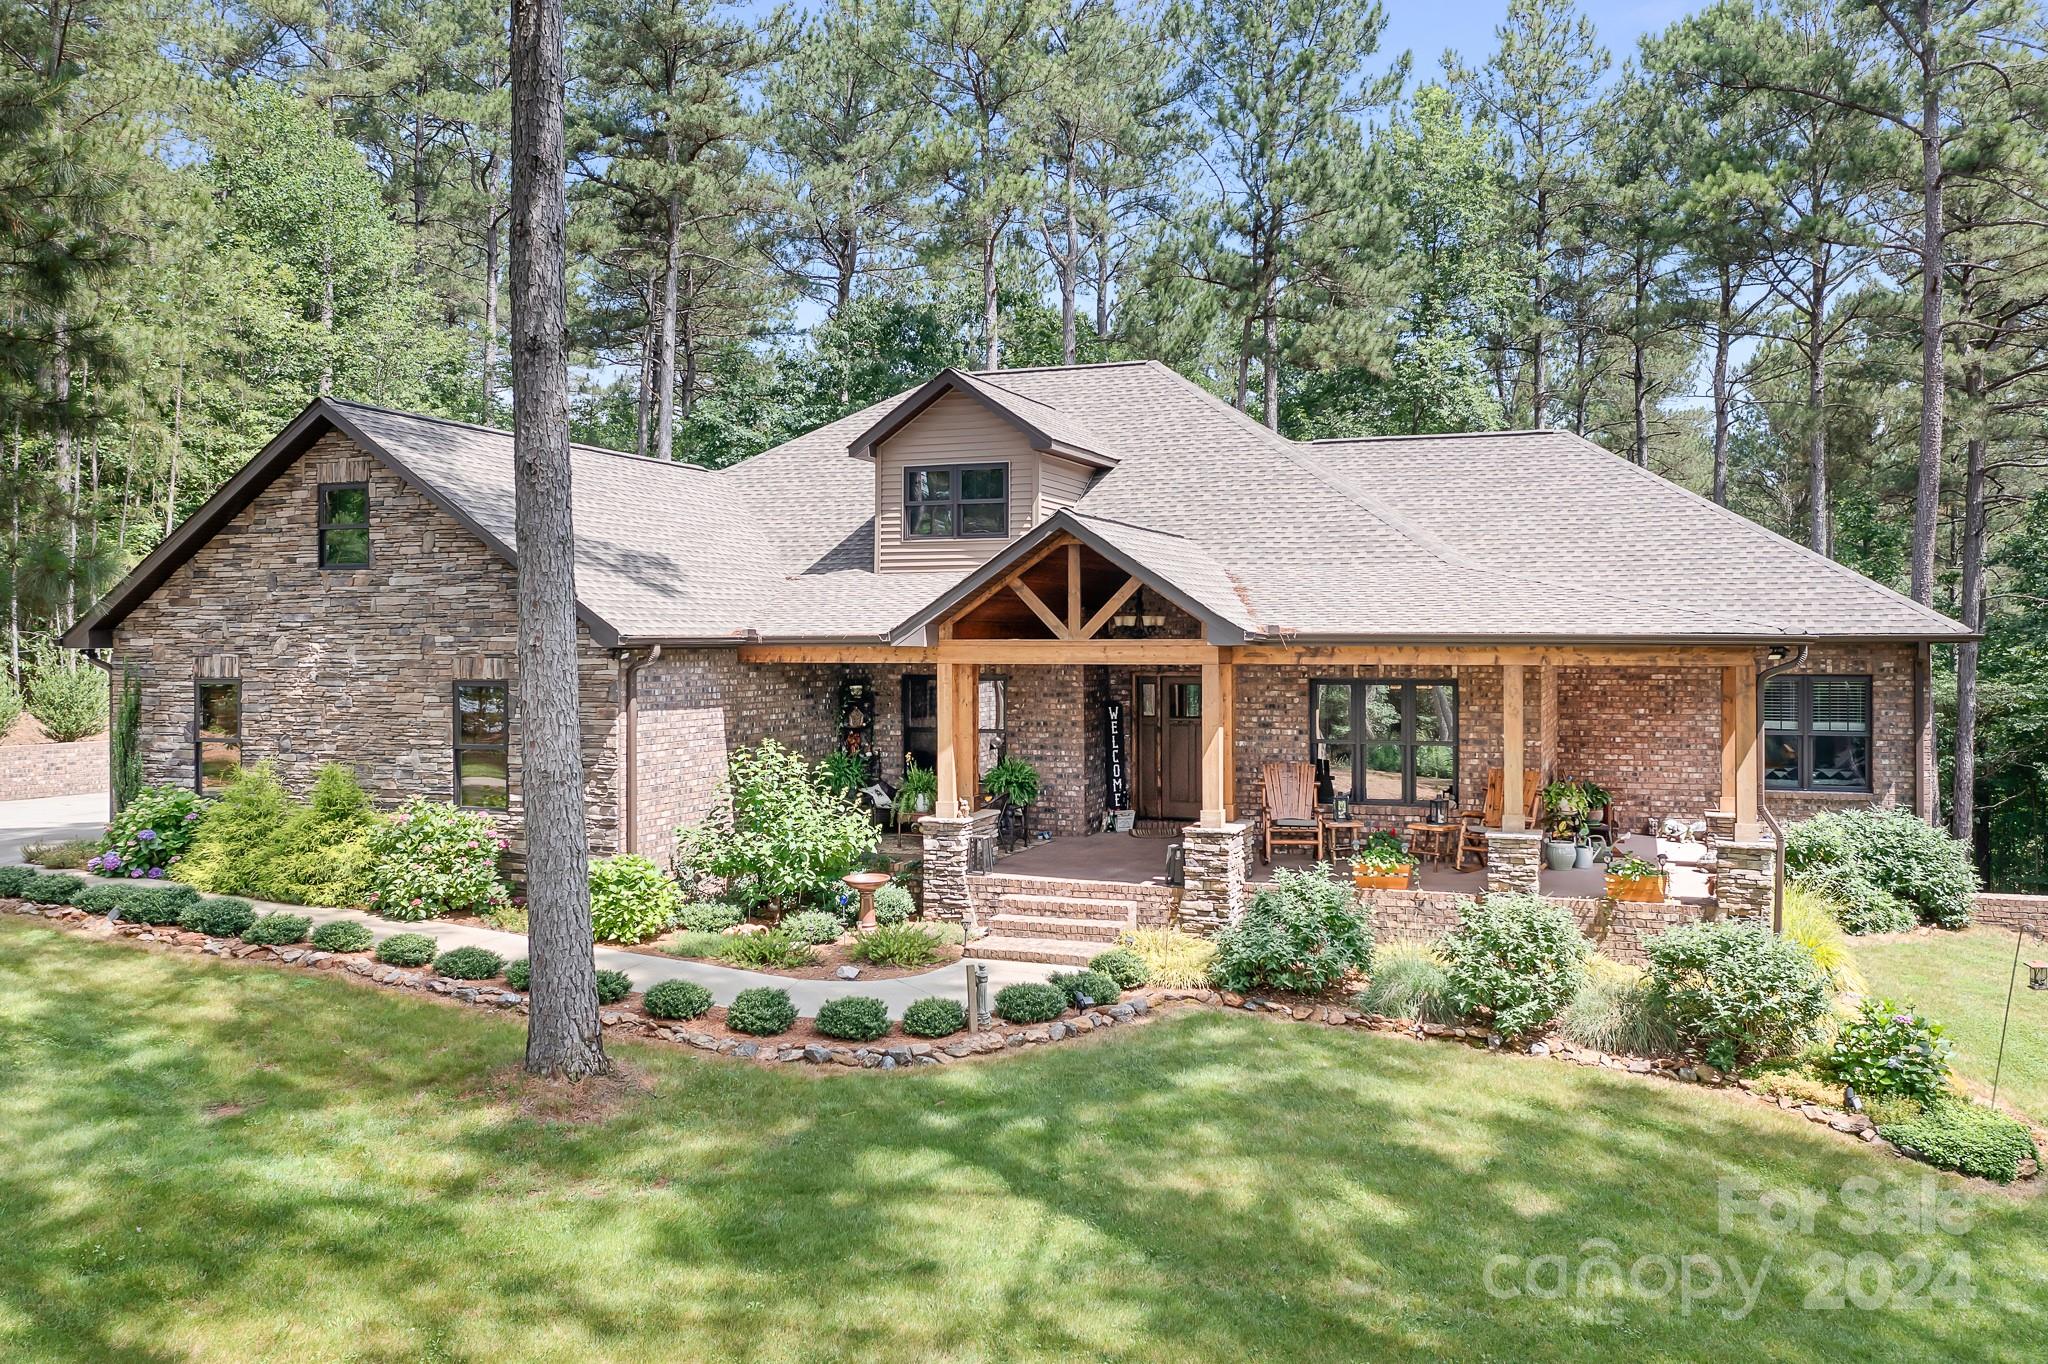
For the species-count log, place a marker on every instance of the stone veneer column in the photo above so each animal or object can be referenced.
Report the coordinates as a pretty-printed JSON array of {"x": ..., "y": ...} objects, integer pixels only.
[
  {"x": 950, "y": 855},
  {"x": 1744, "y": 875},
  {"x": 1514, "y": 861},
  {"x": 1214, "y": 860}
]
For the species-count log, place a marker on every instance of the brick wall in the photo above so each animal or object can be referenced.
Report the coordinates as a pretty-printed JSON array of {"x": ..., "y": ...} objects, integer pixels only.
[
  {"x": 349, "y": 665},
  {"x": 1617, "y": 929},
  {"x": 1994, "y": 910},
  {"x": 1890, "y": 668},
  {"x": 1651, "y": 736},
  {"x": 32, "y": 771}
]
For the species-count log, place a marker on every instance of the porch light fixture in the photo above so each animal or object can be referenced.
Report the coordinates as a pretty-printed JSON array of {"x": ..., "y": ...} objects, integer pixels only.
[{"x": 977, "y": 996}]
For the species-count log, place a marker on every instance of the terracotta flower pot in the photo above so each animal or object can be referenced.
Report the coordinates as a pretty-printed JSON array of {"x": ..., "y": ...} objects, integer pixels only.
[{"x": 1366, "y": 880}]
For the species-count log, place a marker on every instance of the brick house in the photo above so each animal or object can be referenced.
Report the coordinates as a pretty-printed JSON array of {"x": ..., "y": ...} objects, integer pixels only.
[{"x": 1009, "y": 563}]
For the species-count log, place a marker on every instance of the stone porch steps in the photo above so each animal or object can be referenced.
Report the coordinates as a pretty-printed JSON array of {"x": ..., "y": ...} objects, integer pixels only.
[
  {"x": 1104, "y": 910},
  {"x": 1096, "y": 930},
  {"x": 1049, "y": 951}
]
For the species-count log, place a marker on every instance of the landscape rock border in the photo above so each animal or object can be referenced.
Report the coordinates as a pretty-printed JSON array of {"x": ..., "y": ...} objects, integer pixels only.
[{"x": 1136, "y": 1006}]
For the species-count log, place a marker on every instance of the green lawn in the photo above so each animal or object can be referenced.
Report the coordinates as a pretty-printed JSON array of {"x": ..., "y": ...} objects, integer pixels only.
[
  {"x": 1959, "y": 979},
  {"x": 205, "y": 1160}
]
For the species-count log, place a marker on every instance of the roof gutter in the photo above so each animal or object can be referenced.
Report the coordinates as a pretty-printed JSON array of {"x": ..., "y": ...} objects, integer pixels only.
[
  {"x": 629, "y": 760},
  {"x": 1763, "y": 804}
]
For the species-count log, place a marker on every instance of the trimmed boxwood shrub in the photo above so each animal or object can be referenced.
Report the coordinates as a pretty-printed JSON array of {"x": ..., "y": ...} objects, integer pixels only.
[
  {"x": 853, "y": 1018},
  {"x": 1896, "y": 851},
  {"x": 934, "y": 1017},
  {"x": 677, "y": 999},
  {"x": 1303, "y": 932},
  {"x": 1955, "y": 1134},
  {"x": 1030, "y": 1003},
  {"x": 343, "y": 935},
  {"x": 1516, "y": 960},
  {"x": 613, "y": 986},
  {"x": 762, "y": 1011},
  {"x": 469, "y": 963},
  {"x": 708, "y": 916},
  {"x": 518, "y": 974},
  {"x": 406, "y": 949},
  {"x": 276, "y": 930},
  {"x": 1123, "y": 966},
  {"x": 138, "y": 904},
  {"x": 1736, "y": 989},
  {"x": 221, "y": 916},
  {"x": 1093, "y": 986}
]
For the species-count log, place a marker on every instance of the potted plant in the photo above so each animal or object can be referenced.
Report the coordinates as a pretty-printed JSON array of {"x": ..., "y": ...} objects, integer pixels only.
[
  {"x": 1635, "y": 879},
  {"x": 1568, "y": 808},
  {"x": 843, "y": 771},
  {"x": 1381, "y": 863},
  {"x": 1012, "y": 782},
  {"x": 919, "y": 789}
]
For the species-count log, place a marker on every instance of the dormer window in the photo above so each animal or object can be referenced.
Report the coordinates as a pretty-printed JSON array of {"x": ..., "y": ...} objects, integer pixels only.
[
  {"x": 344, "y": 525},
  {"x": 956, "y": 502}
]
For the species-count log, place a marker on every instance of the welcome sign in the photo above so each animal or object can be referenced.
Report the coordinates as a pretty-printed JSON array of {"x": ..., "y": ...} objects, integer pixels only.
[{"x": 1119, "y": 780}]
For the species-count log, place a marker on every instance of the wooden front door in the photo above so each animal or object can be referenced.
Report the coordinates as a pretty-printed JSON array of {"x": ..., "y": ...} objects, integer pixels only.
[{"x": 1167, "y": 775}]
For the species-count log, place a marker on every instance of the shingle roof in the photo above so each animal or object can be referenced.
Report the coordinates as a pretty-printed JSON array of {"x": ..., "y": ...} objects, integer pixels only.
[{"x": 1508, "y": 536}]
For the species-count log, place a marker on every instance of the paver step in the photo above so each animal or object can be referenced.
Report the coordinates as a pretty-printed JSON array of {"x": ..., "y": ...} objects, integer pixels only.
[
  {"x": 1124, "y": 912},
  {"x": 1050, "y": 951},
  {"x": 1103, "y": 931}
]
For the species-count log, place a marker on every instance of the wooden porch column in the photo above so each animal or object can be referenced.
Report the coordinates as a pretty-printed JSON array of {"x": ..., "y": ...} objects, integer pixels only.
[
  {"x": 1219, "y": 700},
  {"x": 1741, "y": 771},
  {"x": 959, "y": 738},
  {"x": 1514, "y": 801}
]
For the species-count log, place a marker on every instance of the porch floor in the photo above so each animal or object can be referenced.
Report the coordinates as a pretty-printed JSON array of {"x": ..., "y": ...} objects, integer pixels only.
[{"x": 1142, "y": 861}]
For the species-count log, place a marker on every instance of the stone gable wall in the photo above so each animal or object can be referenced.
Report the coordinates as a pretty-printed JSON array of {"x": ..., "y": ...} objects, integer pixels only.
[{"x": 349, "y": 665}]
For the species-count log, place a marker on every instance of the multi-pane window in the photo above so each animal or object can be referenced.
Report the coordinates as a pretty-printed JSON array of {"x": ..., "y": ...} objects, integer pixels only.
[
  {"x": 216, "y": 734},
  {"x": 344, "y": 525},
  {"x": 1817, "y": 733},
  {"x": 921, "y": 719},
  {"x": 1393, "y": 742},
  {"x": 959, "y": 501},
  {"x": 483, "y": 745}
]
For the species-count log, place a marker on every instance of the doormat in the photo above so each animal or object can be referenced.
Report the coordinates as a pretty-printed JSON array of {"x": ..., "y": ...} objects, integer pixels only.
[{"x": 1156, "y": 828}]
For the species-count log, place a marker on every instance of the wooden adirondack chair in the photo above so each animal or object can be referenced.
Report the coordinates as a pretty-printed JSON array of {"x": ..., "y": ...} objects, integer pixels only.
[
  {"x": 1287, "y": 796},
  {"x": 1473, "y": 824}
]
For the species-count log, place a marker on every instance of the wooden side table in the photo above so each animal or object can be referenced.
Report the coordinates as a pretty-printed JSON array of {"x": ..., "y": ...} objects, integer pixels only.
[
  {"x": 1340, "y": 835},
  {"x": 1432, "y": 842}
]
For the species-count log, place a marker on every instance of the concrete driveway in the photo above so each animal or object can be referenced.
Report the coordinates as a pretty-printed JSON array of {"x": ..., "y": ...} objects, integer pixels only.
[{"x": 23, "y": 822}]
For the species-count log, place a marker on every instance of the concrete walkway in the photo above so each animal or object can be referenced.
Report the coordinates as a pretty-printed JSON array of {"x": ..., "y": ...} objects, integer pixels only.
[{"x": 37, "y": 821}]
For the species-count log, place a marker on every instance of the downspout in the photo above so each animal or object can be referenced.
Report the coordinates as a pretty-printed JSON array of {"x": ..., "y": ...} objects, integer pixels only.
[
  {"x": 629, "y": 796},
  {"x": 106, "y": 666},
  {"x": 1763, "y": 805}
]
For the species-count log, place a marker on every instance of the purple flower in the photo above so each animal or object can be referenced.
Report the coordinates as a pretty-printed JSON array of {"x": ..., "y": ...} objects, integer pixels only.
[
  {"x": 92, "y": 864},
  {"x": 144, "y": 835},
  {"x": 110, "y": 862},
  {"x": 156, "y": 873},
  {"x": 191, "y": 817},
  {"x": 134, "y": 873}
]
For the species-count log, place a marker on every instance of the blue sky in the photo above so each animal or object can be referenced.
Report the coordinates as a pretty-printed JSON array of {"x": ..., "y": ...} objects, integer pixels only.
[{"x": 1426, "y": 27}]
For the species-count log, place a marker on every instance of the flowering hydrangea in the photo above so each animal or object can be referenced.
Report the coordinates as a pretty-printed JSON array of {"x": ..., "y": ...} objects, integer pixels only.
[
  {"x": 150, "y": 833},
  {"x": 435, "y": 859}
]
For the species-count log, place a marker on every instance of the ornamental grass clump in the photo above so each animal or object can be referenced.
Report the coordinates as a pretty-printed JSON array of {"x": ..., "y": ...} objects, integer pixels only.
[
  {"x": 1173, "y": 960},
  {"x": 853, "y": 1018},
  {"x": 1514, "y": 960},
  {"x": 343, "y": 935},
  {"x": 433, "y": 859},
  {"x": 676, "y": 999},
  {"x": 761, "y": 1012},
  {"x": 468, "y": 963},
  {"x": 631, "y": 899},
  {"x": 934, "y": 1017},
  {"x": 773, "y": 950},
  {"x": 1407, "y": 982},
  {"x": 1030, "y": 1003},
  {"x": 900, "y": 945},
  {"x": 1304, "y": 932}
]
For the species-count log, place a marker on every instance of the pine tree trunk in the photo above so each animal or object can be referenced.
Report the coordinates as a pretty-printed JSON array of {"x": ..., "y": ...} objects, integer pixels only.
[
  {"x": 665, "y": 354},
  {"x": 563, "y": 1036},
  {"x": 1963, "y": 822},
  {"x": 1102, "y": 292},
  {"x": 1539, "y": 395},
  {"x": 177, "y": 449},
  {"x": 491, "y": 283},
  {"x": 326, "y": 319},
  {"x": 67, "y": 469},
  {"x": 1927, "y": 487},
  {"x": 14, "y": 557},
  {"x": 643, "y": 408},
  {"x": 992, "y": 357},
  {"x": 1723, "y": 343},
  {"x": 1817, "y": 536},
  {"x": 1269, "y": 362},
  {"x": 1070, "y": 270}
]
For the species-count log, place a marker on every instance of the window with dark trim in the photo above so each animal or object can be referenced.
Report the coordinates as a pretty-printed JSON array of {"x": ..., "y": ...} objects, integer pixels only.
[
  {"x": 1392, "y": 743},
  {"x": 921, "y": 719},
  {"x": 344, "y": 525},
  {"x": 483, "y": 745},
  {"x": 1817, "y": 733},
  {"x": 216, "y": 734},
  {"x": 956, "y": 501}
]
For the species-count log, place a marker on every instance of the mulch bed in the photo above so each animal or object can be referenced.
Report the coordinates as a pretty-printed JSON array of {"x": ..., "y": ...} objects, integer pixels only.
[{"x": 831, "y": 957}]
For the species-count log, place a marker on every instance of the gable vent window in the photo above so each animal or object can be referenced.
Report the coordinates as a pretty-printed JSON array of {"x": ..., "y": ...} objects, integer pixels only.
[
  {"x": 344, "y": 525},
  {"x": 956, "y": 502},
  {"x": 1817, "y": 733}
]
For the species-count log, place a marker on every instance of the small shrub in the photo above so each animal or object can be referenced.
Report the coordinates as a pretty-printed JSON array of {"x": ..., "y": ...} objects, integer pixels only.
[
  {"x": 138, "y": 904},
  {"x": 853, "y": 1018},
  {"x": 230, "y": 852},
  {"x": 1955, "y": 1134},
  {"x": 10, "y": 704},
  {"x": 708, "y": 916},
  {"x": 1173, "y": 960},
  {"x": 688, "y": 944},
  {"x": 51, "y": 888},
  {"x": 783, "y": 837},
  {"x": 894, "y": 905},
  {"x": 762, "y": 1011},
  {"x": 14, "y": 880},
  {"x": 1407, "y": 982},
  {"x": 343, "y": 935},
  {"x": 1123, "y": 966},
  {"x": 224, "y": 916},
  {"x": 1303, "y": 933},
  {"x": 631, "y": 899},
  {"x": 903, "y": 945},
  {"x": 613, "y": 986},
  {"x": 70, "y": 854},
  {"x": 319, "y": 853},
  {"x": 1516, "y": 960},
  {"x": 1889, "y": 1050},
  {"x": 773, "y": 950},
  {"x": 676, "y": 999},
  {"x": 934, "y": 1017},
  {"x": 1092, "y": 986},
  {"x": 518, "y": 974},
  {"x": 433, "y": 859},
  {"x": 69, "y": 702},
  {"x": 407, "y": 949},
  {"x": 153, "y": 831},
  {"x": 468, "y": 963},
  {"x": 1894, "y": 850},
  {"x": 1858, "y": 904},
  {"x": 1612, "y": 1012},
  {"x": 277, "y": 930},
  {"x": 1736, "y": 989},
  {"x": 1030, "y": 1003},
  {"x": 813, "y": 926}
]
